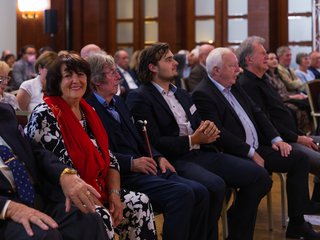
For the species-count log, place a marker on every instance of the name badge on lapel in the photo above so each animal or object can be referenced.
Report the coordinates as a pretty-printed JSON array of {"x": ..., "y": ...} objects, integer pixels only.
[{"x": 193, "y": 109}]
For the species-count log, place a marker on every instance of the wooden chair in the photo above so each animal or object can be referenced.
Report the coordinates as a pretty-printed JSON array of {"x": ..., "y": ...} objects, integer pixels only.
[
  {"x": 23, "y": 117},
  {"x": 284, "y": 214},
  {"x": 228, "y": 203},
  {"x": 313, "y": 90}
]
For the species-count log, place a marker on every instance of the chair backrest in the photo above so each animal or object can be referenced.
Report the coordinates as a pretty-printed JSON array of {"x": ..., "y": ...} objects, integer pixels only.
[
  {"x": 23, "y": 117},
  {"x": 313, "y": 91}
]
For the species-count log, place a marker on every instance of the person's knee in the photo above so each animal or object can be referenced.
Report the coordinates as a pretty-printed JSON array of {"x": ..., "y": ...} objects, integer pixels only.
[
  {"x": 264, "y": 180},
  {"x": 301, "y": 160},
  {"x": 16, "y": 231},
  {"x": 217, "y": 186},
  {"x": 51, "y": 234}
]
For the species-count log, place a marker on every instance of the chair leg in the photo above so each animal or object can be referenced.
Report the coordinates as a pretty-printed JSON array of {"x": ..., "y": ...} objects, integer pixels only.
[
  {"x": 269, "y": 206},
  {"x": 283, "y": 200},
  {"x": 224, "y": 221}
]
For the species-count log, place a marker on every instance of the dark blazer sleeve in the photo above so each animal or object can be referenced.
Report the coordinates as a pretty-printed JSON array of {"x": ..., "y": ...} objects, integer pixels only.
[
  {"x": 43, "y": 166},
  {"x": 265, "y": 97},
  {"x": 106, "y": 119},
  {"x": 196, "y": 75},
  {"x": 214, "y": 110},
  {"x": 213, "y": 106},
  {"x": 146, "y": 104}
]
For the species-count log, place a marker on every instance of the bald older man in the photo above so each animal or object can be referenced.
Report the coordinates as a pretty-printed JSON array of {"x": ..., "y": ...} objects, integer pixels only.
[
  {"x": 89, "y": 49},
  {"x": 199, "y": 71}
]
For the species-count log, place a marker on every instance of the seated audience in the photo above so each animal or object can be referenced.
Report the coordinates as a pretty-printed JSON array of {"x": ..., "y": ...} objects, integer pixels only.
[
  {"x": 246, "y": 131},
  {"x": 315, "y": 63},
  {"x": 89, "y": 49},
  {"x": 175, "y": 128},
  {"x": 129, "y": 80},
  {"x": 24, "y": 69},
  {"x": 134, "y": 62},
  {"x": 288, "y": 76},
  {"x": 186, "y": 61},
  {"x": 30, "y": 93},
  {"x": 303, "y": 72},
  {"x": 198, "y": 72},
  {"x": 4, "y": 54},
  {"x": 296, "y": 102},
  {"x": 252, "y": 57},
  {"x": 69, "y": 127},
  {"x": 45, "y": 49},
  {"x": 184, "y": 203},
  {"x": 10, "y": 59},
  {"x": 6, "y": 97},
  {"x": 34, "y": 189},
  {"x": 270, "y": 102}
]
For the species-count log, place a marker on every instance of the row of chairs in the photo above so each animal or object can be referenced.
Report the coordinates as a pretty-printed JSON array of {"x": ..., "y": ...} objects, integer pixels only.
[
  {"x": 23, "y": 117},
  {"x": 284, "y": 216}
]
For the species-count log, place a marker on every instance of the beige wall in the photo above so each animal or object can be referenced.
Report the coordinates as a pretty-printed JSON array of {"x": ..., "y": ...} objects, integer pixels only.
[{"x": 8, "y": 25}]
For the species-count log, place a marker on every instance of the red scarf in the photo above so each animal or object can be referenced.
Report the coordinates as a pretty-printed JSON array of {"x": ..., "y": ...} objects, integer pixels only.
[{"x": 91, "y": 165}]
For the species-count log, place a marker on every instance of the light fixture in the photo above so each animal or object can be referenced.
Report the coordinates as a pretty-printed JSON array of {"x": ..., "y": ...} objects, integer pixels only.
[{"x": 30, "y": 8}]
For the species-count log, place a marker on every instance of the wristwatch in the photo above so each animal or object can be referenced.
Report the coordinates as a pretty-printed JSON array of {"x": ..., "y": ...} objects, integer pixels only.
[{"x": 68, "y": 171}]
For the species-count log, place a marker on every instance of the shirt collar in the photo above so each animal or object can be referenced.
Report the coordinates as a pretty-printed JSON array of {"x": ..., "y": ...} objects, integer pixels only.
[
  {"x": 252, "y": 75},
  {"x": 172, "y": 88},
  {"x": 103, "y": 101},
  {"x": 218, "y": 85},
  {"x": 121, "y": 69}
]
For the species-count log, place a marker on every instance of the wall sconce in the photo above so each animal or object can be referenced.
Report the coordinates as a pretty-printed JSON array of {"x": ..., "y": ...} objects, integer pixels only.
[{"x": 30, "y": 8}]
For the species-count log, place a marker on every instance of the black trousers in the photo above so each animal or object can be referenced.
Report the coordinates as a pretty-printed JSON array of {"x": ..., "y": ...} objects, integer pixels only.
[
  {"x": 297, "y": 167},
  {"x": 217, "y": 171},
  {"x": 73, "y": 225}
]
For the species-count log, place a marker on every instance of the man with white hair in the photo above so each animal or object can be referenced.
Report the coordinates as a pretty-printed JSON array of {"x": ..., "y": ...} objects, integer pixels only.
[
  {"x": 199, "y": 71},
  {"x": 186, "y": 62}
]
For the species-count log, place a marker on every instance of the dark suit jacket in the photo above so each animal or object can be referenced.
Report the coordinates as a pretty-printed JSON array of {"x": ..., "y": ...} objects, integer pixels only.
[
  {"x": 124, "y": 141},
  {"x": 146, "y": 103},
  {"x": 124, "y": 83},
  {"x": 212, "y": 105},
  {"x": 196, "y": 75},
  {"x": 42, "y": 165},
  {"x": 315, "y": 72},
  {"x": 268, "y": 99}
]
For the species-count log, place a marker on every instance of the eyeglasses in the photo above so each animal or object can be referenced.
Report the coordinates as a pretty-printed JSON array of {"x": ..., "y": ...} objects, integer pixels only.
[
  {"x": 113, "y": 72},
  {"x": 5, "y": 79}
]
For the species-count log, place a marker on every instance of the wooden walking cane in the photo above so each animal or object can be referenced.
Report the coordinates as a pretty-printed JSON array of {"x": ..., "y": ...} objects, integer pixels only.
[{"x": 145, "y": 135}]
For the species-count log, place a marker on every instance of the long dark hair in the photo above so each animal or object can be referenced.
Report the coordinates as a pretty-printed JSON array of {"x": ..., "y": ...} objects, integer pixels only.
[{"x": 153, "y": 55}]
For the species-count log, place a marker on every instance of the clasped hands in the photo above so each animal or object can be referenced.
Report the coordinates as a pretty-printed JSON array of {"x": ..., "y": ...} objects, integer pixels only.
[{"x": 207, "y": 132}]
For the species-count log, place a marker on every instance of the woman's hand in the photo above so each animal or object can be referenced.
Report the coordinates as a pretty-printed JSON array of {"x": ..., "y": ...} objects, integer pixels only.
[
  {"x": 115, "y": 208},
  {"x": 83, "y": 195}
]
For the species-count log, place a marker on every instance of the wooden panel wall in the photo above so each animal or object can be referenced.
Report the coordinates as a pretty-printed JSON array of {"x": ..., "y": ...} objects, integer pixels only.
[
  {"x": 258, "y": 19},
  {"x": 171, "y": 23},
  {"x": 94, "y": 22}
]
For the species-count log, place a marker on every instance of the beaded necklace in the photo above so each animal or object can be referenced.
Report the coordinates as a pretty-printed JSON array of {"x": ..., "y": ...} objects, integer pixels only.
[{"x": 84, "y": 121}]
